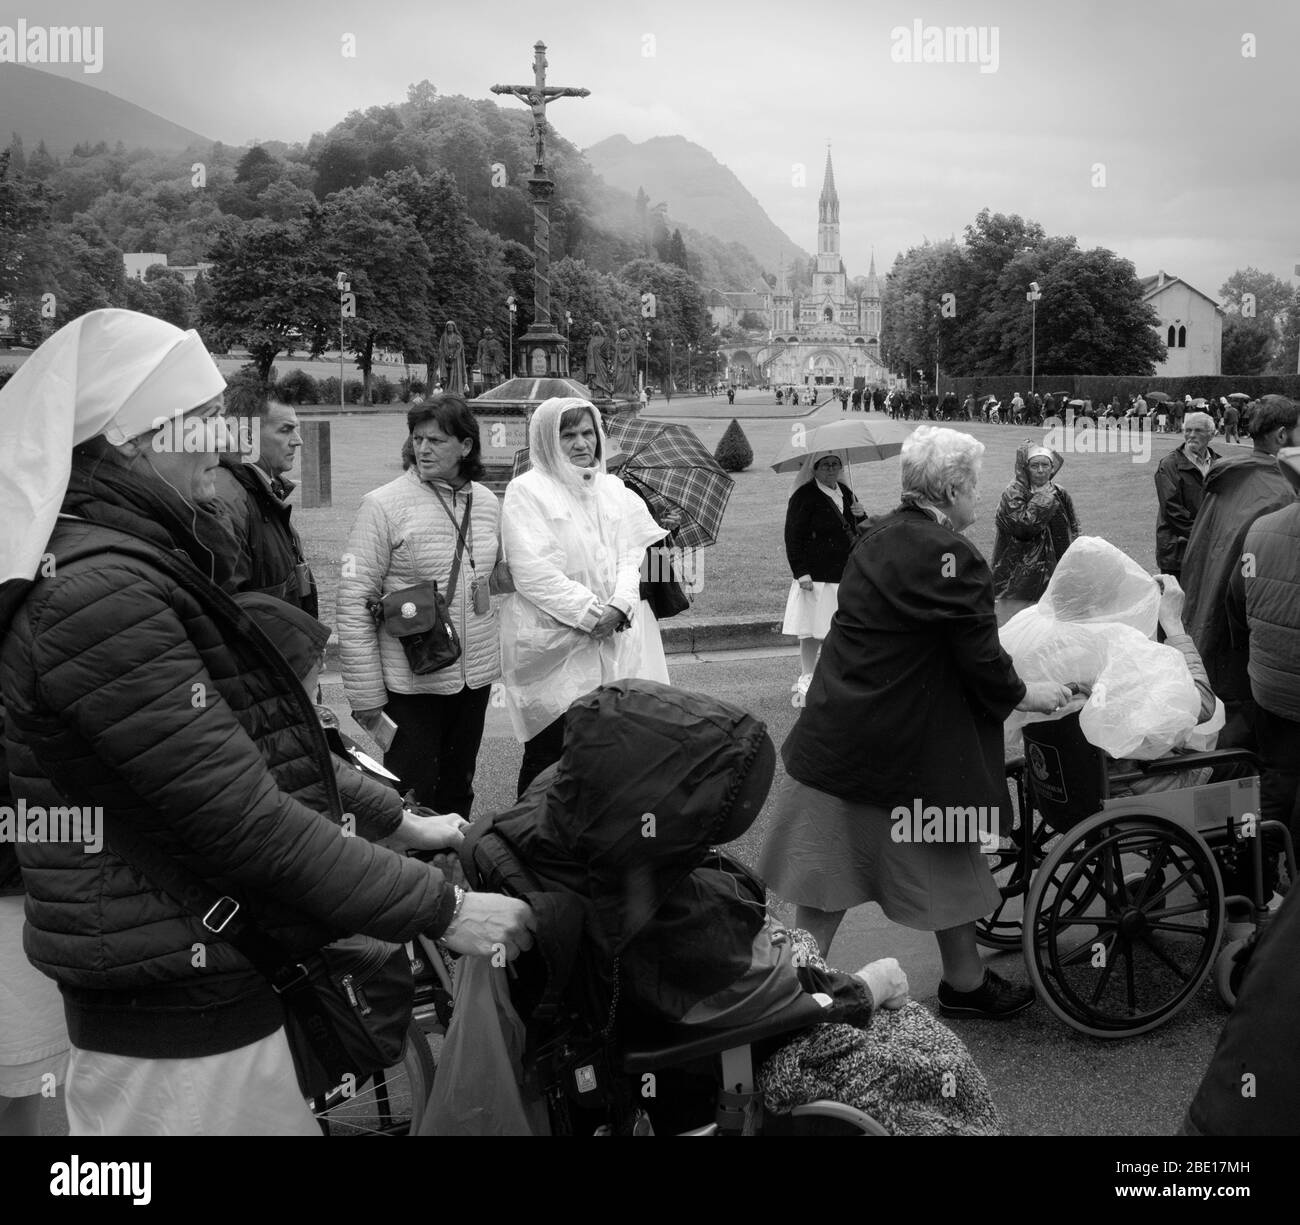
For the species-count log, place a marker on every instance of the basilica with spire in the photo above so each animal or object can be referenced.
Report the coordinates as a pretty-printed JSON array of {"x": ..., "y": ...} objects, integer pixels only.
[{"x": 825, "y": 335}]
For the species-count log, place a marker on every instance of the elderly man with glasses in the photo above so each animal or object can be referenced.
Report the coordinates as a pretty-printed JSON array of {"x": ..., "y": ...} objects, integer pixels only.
[{"x": 1180, "y": 486}]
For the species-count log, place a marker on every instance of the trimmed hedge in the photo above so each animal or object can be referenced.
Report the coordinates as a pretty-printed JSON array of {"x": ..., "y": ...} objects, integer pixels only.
[
  {"x": 328, "y": 390},
  {"x": 734, "y": 454},
  {"x": 298, "y": 387}
]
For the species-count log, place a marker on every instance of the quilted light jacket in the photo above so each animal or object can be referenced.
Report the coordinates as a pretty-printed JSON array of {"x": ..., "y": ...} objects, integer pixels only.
[{"x": 401, "y": 537}]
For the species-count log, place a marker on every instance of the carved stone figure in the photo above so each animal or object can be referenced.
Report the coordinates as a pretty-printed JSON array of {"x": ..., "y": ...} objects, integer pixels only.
[
  {"x": 597, "y": 362},
  {"x": 624, "y": 364},
  {"x": 491, "y": 358},
  {"x": 451, "y": 361}
]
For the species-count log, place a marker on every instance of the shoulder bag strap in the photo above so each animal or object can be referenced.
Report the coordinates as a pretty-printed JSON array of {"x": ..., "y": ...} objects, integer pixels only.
[
  {"x": 222, "y": 916},
  {"x": 461, "y": 546}
]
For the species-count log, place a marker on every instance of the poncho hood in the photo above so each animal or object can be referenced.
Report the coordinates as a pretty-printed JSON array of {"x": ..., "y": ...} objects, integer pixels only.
[
  {"x": 547, "y": 457},
  {"x": 1022, "y": 462}
]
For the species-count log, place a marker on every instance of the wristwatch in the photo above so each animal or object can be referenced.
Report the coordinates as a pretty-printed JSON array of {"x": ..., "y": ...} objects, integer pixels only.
[{"x": 459, "y": 894}]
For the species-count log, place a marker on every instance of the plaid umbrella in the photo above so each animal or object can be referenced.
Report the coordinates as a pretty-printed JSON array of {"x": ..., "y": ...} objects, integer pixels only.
[{"x": 674, "y": 471}]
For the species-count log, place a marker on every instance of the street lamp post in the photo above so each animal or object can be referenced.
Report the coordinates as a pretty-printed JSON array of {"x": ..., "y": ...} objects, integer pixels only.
[
  {"x": 647, "y": 363},
  {"x": 344, "y": 288},
  {"x": 1032, "y": 298},
  {"x": 510, "y": 302},
  {"x": 668, "y": 386}
]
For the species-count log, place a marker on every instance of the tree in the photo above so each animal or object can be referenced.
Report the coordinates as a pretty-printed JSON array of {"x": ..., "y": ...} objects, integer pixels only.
[
  {"x": 270, "y": 285},
  {"x": 368, "y": 234},
  {"x": 734, "y": 454},
  {"x": 680, "y": 314},
  {"x": 1247, "y": 346},
  {"x": 677, "y": 250}
]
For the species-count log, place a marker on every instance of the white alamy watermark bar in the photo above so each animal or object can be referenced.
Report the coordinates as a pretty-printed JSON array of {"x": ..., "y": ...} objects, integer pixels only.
[
  {"x": 216, "y": 435},
  {"x": 1086, "y": 437},
  {"x": 923, "y": 44},
  {"x": 954, "y": 824},
  {"x": 45, "y": 826},
  {"x": 29, "y": 44}
]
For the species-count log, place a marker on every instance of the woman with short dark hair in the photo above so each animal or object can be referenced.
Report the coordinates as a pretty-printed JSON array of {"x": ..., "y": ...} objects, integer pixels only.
[{"x": 434, "y": 522}]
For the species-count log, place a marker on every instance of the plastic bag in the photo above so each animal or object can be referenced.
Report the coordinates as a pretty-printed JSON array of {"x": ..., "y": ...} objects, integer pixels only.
[
  {"x": 1094, "y": 627},
  {"x": 477, "y": 1091}
]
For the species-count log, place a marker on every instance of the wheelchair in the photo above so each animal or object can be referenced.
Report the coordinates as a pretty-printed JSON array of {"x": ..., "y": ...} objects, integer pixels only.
[
  {"x": 606, "y": 1069},
  {"x": 1117, "y": 900}
]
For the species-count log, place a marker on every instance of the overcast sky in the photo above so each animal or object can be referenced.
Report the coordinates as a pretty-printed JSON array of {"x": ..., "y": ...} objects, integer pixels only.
[{"x": 1198, "y": 142}]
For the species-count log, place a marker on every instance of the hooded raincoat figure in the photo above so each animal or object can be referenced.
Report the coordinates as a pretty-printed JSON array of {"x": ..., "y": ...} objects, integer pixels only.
[
  {"x": 1036, "y": 523},
  {"x": 574, "y": 538}
]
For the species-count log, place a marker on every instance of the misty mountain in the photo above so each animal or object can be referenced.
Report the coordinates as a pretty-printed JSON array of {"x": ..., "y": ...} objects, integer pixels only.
[
  {"x": 700, "y": 192},
  {"x": 63, "y": 113}
]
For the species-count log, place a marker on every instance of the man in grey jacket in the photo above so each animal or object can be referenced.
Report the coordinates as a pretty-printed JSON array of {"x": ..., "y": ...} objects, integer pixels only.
[{"x": 1264, "y": 614}]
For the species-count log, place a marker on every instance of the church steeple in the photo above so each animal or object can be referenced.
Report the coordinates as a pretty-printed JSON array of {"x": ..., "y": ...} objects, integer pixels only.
[
  {"x": 828, "y": 223},
  {"x": 828, "y": 206}
]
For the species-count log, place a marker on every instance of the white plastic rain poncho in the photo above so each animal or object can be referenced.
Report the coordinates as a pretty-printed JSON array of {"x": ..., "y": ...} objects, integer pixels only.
[
  {"x": 1095, "y": 625},
  {"x": 573, "y": 539}
]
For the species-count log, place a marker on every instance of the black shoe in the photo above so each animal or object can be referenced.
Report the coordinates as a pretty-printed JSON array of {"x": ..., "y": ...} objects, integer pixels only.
[{"x": 993, "y": 999}]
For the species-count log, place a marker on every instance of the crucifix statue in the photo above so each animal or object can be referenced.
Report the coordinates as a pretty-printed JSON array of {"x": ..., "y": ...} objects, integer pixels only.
[{"x": 541, "y": 186}]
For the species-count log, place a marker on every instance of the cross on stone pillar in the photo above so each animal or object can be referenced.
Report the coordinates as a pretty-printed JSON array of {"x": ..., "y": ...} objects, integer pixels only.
[{"x": 541, "y": 186}]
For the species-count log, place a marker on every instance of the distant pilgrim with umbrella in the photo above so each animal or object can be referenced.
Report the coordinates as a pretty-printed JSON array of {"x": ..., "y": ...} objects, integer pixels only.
[{"x": 822, "y": 523}]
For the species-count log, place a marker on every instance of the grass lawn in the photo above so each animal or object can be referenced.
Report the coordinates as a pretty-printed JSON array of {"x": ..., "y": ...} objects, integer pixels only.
[{"x": 746, "y": 572}]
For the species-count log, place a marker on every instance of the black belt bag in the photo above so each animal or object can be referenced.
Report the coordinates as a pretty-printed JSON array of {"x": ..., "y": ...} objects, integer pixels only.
[{"x": 347, "y": 1005}]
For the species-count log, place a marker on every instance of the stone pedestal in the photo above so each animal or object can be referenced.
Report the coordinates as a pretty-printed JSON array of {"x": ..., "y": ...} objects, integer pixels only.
[
  {"x": 503, "y": 414},
  {"x": 315, "y": 469}
]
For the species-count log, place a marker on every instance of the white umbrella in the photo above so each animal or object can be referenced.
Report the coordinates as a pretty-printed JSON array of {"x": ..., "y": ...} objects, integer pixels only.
[{"x": 856, "y": 441}]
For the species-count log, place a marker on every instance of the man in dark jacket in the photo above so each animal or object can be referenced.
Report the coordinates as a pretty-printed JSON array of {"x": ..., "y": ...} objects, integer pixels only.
[
  {"x": 1238, "y": 490},
  {"x": 1264, "y": 617},
  {"x": 136, "y": 689},
  {"x": 255, "y": 494},
  {"x": 1180, "y": 486}
]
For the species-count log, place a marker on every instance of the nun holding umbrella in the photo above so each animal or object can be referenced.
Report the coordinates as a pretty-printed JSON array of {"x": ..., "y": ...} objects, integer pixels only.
[{"x": 822, "y": 523}]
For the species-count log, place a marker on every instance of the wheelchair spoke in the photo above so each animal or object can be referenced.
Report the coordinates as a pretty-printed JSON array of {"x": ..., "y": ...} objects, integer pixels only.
[
  {"x": 1153, "y": 925},
  {"x": 1160, "y": 953},
  {"x": 1170, "y": 886},
  {"x": 1107, "y": 967}
]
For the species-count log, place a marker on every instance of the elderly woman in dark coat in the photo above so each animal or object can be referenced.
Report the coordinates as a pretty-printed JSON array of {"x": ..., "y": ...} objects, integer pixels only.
[
  {"x": 900, "y": 744},
  {"x": 1036, "y": 523},
  {"x": 821, "y": 527}
]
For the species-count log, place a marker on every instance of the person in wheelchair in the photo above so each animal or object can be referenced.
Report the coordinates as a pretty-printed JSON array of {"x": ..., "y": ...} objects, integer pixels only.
[
  {"x": 1095, "y": 629},
  {"x": 648, "y": 934}
]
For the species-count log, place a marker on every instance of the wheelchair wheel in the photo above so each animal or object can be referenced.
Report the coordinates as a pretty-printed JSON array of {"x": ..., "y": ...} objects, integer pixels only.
[
  {"x": 1004, "y": 927},
  {"x": 1228, "y": 971},
  {"x": 390, "y": 1103},
  {"x": 1130, "y": 912}
]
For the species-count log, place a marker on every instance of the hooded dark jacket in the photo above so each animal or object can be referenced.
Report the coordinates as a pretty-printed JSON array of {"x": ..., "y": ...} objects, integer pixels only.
[
  {"x": 616, "y": 843},
  {"x": 1034, "y": 527},
  {"x": 1238, "y": 490},
  {"x": 134, "y": 683}
]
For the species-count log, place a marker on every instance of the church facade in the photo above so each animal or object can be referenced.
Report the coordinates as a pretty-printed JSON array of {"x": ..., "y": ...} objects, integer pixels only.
[{"x": 826, "y": 336}]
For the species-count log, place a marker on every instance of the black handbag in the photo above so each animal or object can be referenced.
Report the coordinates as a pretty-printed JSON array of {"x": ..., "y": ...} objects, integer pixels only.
[
  {"x": 419, "y": 617},
  {"x": 347, "y": 1005},
  {"x": 662, "y": 589}
]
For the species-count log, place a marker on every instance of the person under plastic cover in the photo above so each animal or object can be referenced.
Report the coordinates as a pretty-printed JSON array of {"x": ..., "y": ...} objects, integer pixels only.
[{"x": 1095, "y": 627}]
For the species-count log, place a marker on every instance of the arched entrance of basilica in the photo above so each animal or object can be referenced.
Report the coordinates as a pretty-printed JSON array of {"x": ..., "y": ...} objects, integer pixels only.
[{"x": 825, "y": 368}]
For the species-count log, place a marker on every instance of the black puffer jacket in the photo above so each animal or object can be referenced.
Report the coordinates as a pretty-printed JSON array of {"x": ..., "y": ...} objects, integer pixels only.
[{"x": 134, "y": 683}]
